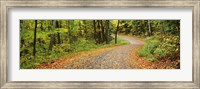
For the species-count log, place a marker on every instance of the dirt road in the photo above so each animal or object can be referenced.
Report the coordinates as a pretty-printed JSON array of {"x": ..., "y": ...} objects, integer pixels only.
[{"x": 113, "y": 58}]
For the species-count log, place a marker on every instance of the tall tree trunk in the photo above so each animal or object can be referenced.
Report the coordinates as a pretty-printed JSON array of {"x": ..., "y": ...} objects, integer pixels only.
[
  {"x": 69, "y": 31},
  {"x": 51, "y": 42},
  {"x": 116, "y": 32},
  {"x": 162, "y": 29},
  {"x": 102, "y": 31},
  {"x": 107, "y": 32},
  {"x": 149, "y": 25},
  {"x": 52, "y": 36},
  {"x": 58, "y": 33},
  {"x": 22, "y": 25},
  {"x": 94, "y": 23},
  {"x": 60, "y": 24},
  {"x": 99, "y": 37},
  {"x": 34, "y": 42},
  {"x": 22, "y": 41},
  {"x": 99, "y": 32},
  {"x": 58, "y": 38}
]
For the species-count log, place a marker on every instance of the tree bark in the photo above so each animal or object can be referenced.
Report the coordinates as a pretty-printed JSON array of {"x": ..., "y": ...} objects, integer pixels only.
[
  {"x": 60, "y": 24},
  {"x": 99, "y": 32},
  {"x": 22, "y": 25},
  {"x": 69, "y": 31},
  {"x": 116, "y": 32},
  {"x": 107, "y": 32},
  {"x": 80, "y": 28},
  {"x": 22, "y": 41},
  {"x": 52, "y": 36},
  {"x": 58, "y": 33},
  {"x": 58, "y": 37},
  {"x": 102, "y": 31},
  {"x": 34, "y": 42},
  {"x": 94, "y": 23},
  {"x": 149, "y": 25},
  {"x": 163, "y": 29}
]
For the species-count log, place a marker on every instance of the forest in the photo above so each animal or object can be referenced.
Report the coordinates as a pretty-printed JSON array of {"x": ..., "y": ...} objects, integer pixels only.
[{"x": 99, "y": 44}]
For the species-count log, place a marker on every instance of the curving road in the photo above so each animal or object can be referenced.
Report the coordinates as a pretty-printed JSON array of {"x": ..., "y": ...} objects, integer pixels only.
[{"x": 114, "y": 58}]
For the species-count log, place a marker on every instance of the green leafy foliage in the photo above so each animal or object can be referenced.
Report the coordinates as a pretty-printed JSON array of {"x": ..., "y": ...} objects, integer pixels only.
[
  {"x": 65, "y": 37},
  {"x": 167, "y": 48},
  {"x": 170, "y": 48},
  {"x": 148, "y": 49},
  {"x": 162, "y": 37}
]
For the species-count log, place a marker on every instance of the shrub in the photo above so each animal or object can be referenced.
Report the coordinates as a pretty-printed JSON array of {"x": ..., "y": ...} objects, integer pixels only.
[
  {"x": 167, "y": 48},
  {"x": 82, "y": 45},
  {"x": 159, "y": 52},
  {"x": 170, "y": 48}
]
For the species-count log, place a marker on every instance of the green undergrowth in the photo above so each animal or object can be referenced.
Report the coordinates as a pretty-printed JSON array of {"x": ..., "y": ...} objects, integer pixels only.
[{"x": 157, "y": 48}]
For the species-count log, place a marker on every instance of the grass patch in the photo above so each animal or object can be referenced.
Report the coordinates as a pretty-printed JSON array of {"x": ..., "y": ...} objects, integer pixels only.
[
  {"x": 148, "y": 49},
  {"x": 120, "y": 41}
]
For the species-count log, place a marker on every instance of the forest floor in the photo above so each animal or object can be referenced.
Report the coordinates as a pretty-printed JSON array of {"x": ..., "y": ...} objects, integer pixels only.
[{"x": 117, "y": 57}]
